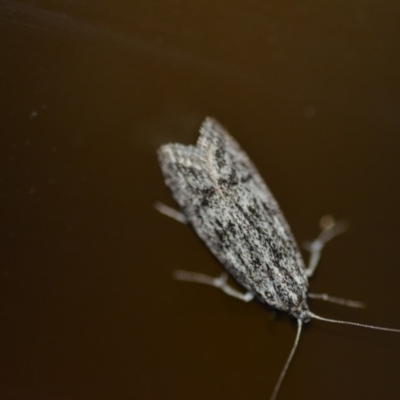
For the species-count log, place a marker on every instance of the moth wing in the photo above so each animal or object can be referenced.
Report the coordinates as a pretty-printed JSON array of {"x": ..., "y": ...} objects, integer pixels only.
[
  {"x": 185, "y": 175},
  {"x": 241, "y": 184},
  {"x": 225, "y": 156},
  {"x": 191, "y": 186}
]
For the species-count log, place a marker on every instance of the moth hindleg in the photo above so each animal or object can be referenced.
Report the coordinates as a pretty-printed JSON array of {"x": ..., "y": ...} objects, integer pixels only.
[{"x": 220, "y": 283}]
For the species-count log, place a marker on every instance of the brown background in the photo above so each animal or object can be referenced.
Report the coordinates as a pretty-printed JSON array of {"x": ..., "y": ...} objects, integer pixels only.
[{"x": 89, "y": 90}]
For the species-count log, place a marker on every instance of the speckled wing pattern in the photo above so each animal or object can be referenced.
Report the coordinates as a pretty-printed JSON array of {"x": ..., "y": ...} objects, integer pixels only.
[{"x": 229, "y": 206}]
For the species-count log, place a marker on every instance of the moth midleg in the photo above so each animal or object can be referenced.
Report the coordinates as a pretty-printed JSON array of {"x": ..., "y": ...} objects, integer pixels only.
[
  {"x": 219, "y": 282},
  {"x": 329, "y": 229},
  {"x": 337, "y": 300}
]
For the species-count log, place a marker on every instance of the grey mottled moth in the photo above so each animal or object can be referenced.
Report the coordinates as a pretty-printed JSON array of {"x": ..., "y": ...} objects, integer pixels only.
[{"x": 223, "y": 197}]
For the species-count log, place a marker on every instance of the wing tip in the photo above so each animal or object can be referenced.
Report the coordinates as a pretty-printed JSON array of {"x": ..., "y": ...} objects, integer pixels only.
[
  {"x": 176, "y": 153},
  {"x": 209, "y": 124}
]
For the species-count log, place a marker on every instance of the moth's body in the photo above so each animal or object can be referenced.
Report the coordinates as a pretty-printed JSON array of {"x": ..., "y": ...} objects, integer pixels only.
[{"x": 223, "y": 197}]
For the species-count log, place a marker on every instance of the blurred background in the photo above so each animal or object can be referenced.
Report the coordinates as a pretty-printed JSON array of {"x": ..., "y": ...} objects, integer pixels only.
[{"x": 89, "y": 90}]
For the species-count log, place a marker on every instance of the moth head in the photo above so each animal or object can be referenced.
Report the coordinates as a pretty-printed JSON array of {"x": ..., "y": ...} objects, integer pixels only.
[{"x": 302, "y": 312}]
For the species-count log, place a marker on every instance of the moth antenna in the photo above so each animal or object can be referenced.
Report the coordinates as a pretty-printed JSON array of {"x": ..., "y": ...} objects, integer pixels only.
[
  {"x": 379, "y": 328},
  {"x": 288, "y": 361}
]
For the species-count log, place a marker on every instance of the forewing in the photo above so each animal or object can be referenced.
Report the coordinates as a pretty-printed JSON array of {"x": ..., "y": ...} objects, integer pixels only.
[
  {"x": 231, "y": 163},
  {"x": 241, "y": 185},
  {"x": 185, "y": 172},
  {"x": 185, "y": 175}
]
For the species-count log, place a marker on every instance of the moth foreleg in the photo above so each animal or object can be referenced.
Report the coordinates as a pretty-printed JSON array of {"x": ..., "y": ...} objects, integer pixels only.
[
  {"x": 330, "y": 229},
  {"x": 220, "y": 283}
]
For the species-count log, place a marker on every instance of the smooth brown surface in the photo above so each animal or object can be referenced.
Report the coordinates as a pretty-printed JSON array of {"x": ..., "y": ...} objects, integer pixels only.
[{"x": 89, "y": 90}]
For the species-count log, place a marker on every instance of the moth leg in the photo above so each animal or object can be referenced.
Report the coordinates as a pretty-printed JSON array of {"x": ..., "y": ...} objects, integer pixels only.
[
  {"x": 330, "y": 229},
  {"x": 170, "y": 212},
  {"x": 220, "y": 283},
  {"x": 336, "y": 300}
]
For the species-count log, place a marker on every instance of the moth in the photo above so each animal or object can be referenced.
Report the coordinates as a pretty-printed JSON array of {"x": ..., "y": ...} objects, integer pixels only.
[{"x": 222, "y": 196}]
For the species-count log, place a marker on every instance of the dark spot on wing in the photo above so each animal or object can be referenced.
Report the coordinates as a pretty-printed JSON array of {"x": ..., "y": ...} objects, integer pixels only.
[
  {"x": 206, "y": 195},
  {"x": 231, "y": 228},
  {"x": 256, "y": 262},
  {"x": 251, "y": 210},
  {"x": 219, "y": 155},
  {"x": 246, "y": 178},
  {"x": 220, "y": 234},
  {"x": 268, "y": 295},
  {"x": 218, "y": 222},
  {"x": 239, "y": 256},
  {"x": 231, "y": 180}
]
